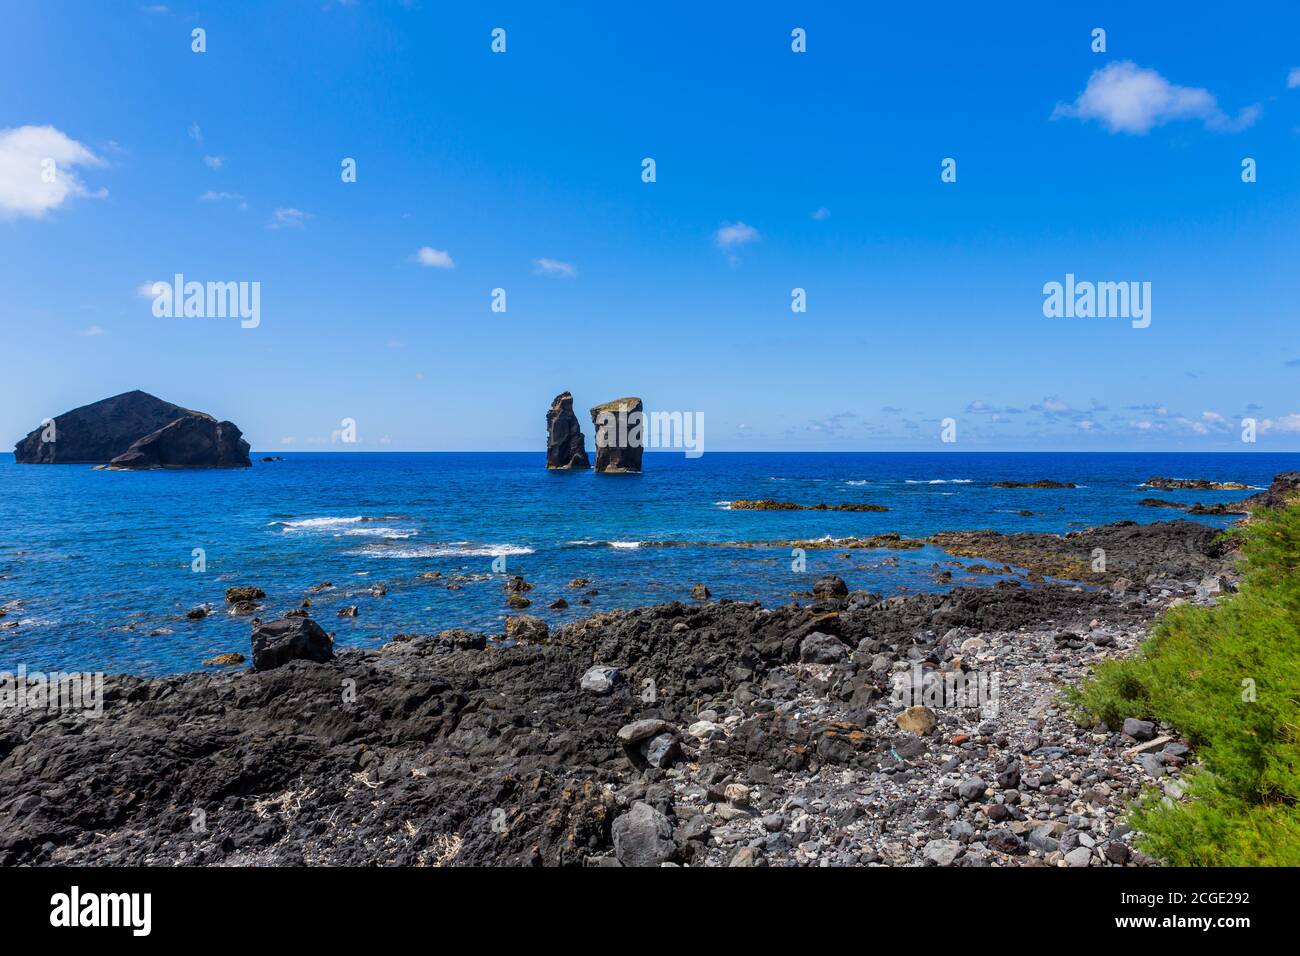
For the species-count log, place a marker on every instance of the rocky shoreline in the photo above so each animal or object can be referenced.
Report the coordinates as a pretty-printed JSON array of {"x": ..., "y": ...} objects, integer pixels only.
[{"x": 718, "y": 733}]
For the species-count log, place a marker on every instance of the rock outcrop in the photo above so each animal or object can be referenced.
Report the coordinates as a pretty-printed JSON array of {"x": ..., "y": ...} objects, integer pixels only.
[
  {"x": 565, "y": 445},
  {"x": 195, "y": 441},
  {"x": 1194, "y": 484},
  {"x": 290, "y": 639},
  {"x": 98, "y": 433},
  {"x": 620, "y": 435},
  {"x": 1284, "y": 490},
  {"x": 1042, "y": 483}
]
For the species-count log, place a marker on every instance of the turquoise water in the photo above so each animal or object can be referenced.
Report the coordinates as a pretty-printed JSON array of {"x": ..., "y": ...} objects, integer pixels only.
[{"x": 102, "y": 561}]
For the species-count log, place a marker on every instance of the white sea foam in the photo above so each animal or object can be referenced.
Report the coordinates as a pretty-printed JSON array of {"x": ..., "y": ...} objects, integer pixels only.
[
  {"x": 459, "y": 549},
  {"x": 381, "y": 532},
  {"x": 724, "y": 505},
  {"x": 939, "y": 481},
  {"x": 317, "y": 524},
  {"x": 858, "y": 483},
  {"x": 625, "y": 544}
]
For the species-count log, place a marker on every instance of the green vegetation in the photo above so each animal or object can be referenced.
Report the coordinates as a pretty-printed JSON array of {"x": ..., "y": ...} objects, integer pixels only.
[{"x": 1228, "y": 678}]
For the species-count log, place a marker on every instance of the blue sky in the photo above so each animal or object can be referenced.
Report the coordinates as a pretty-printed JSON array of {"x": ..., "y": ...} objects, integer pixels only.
[{"x": 775, "y": 170}]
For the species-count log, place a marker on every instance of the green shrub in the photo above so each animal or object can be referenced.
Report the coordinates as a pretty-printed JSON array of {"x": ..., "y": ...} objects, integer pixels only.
[{"x": 1228, "y": 678}]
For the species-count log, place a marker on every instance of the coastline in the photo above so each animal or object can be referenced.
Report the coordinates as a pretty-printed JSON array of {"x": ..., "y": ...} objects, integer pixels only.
[{"x": 771, "y": 738}]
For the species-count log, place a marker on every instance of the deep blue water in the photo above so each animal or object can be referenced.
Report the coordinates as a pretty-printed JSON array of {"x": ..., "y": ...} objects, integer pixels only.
[{"x": 99, "y": 560}]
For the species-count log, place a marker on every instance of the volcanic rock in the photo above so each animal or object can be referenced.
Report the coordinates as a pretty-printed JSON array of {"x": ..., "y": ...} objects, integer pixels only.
[
  {"x": 1284, "y": 490},
  {"x": 1034, "y": 484},
  {"x": 620, "y": 437},
  {"x": 99, "y": 432},
  {"x": 565, "y": 447},
  {"x": 193, "y": 441},
  {"x": 290, "y": 639},
  {"x": 1194, "y": 484},
  {"x": 643, "y": 836}
]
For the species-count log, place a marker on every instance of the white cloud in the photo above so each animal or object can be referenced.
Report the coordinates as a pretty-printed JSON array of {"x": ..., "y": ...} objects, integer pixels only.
[
  {"x": 1293, "y": 79},
  {"x": 1052, "y": 405},
  {"x": 1287, "y": 423},
  {"x": 214, "y": 162},
  {"x": 556, "y": 268},
  {"x": 1086, "y": 425},
  {"x": 434, "y": 258},
  {"x": 30, "y": 155},
  {"x": 735, "y": 234},
  {"x": 287, "y": 217},
  {"x": 91, "y": 332},
  {"x": 821, "y": 213},
  {"x": 195, "y": 133},
  {"x": 211, "y": 196},
  {"x": 1142, "y": 426},
  {"x": 145, "y": 289},
  {"x": 156, "y": 8},
  {"x": 1127, "y": 98}
]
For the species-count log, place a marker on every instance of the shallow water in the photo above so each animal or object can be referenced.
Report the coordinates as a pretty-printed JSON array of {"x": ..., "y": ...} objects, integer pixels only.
[{"x": 101, "y": 559}]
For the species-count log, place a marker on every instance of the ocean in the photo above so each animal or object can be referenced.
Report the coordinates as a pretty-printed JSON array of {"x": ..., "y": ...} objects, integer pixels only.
[{"x": 97, "y": 568}]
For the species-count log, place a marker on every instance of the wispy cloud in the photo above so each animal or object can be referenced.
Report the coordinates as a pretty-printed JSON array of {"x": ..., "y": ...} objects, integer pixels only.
[
  {"x": 211, "y": 196},
  {"x": 91, "y": 332},
  {"x": 434, "y": 258},
  {"x": 38, "y": 171},
  {"x": 732, "y": 235},
  {"x": 1127, "y": 98},
  {"x": 214, "y": 162},
  {"x": 1052, "y": 405},
  {"x": 287, "y": 216},
  {"x": 555, "y": 268},
  {"x": 195, "y": 133},
  {"x": 821, "y": 213},
  {"x": 1293, "y": 79}
]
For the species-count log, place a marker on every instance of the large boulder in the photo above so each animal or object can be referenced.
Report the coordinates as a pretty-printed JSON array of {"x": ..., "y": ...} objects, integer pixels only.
[
  {"x": 565, "y": 446},
  {"x": 620, "y": 435},
  {"x": 290, "y": 639},
  {"x": 95, "y": 434},
  {"x": 195, "y": 441},
  {"x": 643, "y": 836}
]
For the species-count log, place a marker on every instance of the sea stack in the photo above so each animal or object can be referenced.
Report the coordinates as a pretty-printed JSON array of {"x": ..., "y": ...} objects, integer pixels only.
[
  {"x": 98, "y": 433},
  {"x": 620, "y": 437},
  {"x": 565, "y": 445}
]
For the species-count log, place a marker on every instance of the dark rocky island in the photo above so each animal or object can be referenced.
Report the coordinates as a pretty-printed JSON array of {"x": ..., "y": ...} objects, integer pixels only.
[
  {"x": 1194, "y": 484},
  {"x": 135, "y": 430},
  {"x": 769, "y": 504},
  {"x": 565, "y": 446},
  {"x": 1034, "y": 484},
  {"x": 620, "y": 435}
]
